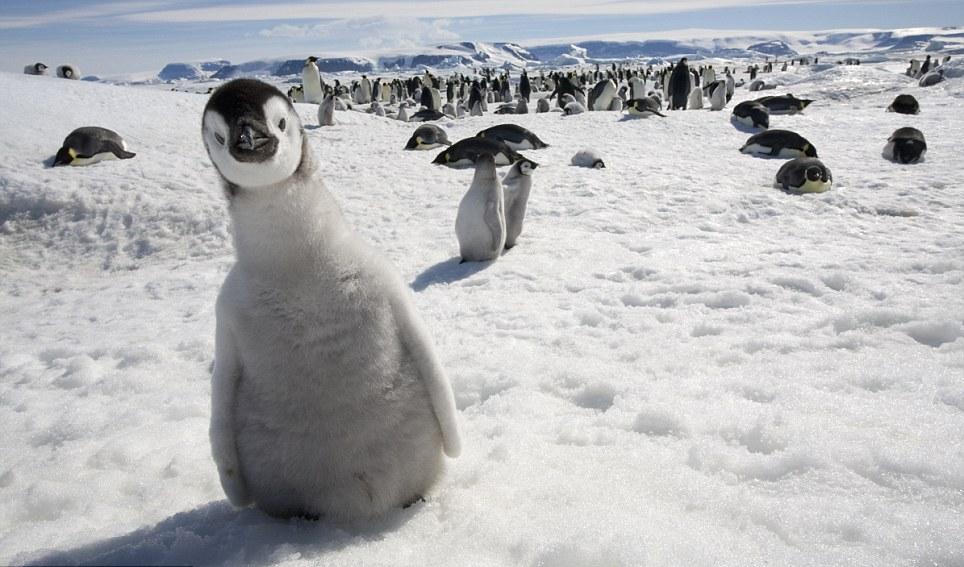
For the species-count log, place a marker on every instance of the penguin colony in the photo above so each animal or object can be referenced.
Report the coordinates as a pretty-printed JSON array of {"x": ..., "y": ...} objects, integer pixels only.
[{"x": 351, "y": 434}]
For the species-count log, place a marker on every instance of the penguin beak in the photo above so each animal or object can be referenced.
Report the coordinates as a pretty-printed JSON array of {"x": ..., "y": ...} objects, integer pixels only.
[{"x": 253, "y": 143}]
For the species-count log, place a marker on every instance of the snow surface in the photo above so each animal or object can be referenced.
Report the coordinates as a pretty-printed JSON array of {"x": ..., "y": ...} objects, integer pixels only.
[{"x": 677, "y": 365}]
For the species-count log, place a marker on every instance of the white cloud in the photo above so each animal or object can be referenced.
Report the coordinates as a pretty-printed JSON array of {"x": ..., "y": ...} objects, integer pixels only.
[
  {"x": 370, "y": 33},
  {"x": 94, "y": 11},
  {"x": 296, "y": 32},
  {"x": 442, "y": 9}
]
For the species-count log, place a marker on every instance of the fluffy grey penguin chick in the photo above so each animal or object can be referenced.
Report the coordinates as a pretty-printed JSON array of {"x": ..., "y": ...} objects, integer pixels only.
[
  {"x": 588, "y": 158},
  {"x": 327, "y": 396},
  {"x": 516, "y": 186},
  {"x": 326, "y": 111},
  {"x": 480, "y": 224}
]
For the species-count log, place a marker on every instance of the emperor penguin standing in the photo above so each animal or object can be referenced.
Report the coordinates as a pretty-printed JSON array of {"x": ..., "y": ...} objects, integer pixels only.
[
  {"x": 327, "y": 396},
  {"x": 364, "y": 90},
  {"x": 480, "y": 224},
  {"x": 311, "y": 81},
  {"x": 516, "y": 186}
]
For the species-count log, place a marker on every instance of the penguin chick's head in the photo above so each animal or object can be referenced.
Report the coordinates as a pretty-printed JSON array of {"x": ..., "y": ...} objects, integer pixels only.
[
  {"x": 598, "y": 164},
  {"x": 252, "y": 133},
  {"x": 526, "y": 166}
]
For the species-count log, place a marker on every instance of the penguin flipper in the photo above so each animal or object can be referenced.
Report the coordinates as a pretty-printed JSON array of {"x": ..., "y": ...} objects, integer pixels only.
[
  {"x": 224, "y": 386},
  {"x": 419, "y": 344},
  {"x": 118, "y": 151}
]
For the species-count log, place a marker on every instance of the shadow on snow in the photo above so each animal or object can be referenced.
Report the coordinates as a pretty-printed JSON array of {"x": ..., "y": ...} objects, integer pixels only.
[
  {"x": 449, "y": 271},
  {"x": 219, "y": 534}
]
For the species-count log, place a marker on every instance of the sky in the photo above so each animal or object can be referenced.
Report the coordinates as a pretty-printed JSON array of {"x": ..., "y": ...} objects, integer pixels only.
[{"x": 105, "y": 38}]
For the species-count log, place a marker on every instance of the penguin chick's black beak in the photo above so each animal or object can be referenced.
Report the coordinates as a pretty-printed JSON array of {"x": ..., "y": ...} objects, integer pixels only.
[{"x": 252, "y": 143}]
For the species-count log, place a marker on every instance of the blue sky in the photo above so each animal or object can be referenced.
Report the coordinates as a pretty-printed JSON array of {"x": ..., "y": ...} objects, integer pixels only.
[{"x": 142, "y": 35}]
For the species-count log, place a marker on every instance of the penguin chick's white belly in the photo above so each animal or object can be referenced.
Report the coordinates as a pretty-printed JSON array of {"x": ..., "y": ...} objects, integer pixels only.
[{"x": 331, "y": 415}]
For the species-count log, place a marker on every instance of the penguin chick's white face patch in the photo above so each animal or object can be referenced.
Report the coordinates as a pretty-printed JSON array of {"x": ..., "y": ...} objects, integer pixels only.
[{"x": 280, "y": 122}]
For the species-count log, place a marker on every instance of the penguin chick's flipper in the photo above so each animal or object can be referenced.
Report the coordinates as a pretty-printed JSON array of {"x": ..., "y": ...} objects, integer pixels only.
[
  {"x": 419, "y": 342},
  {"x": 119, "y": 152}
]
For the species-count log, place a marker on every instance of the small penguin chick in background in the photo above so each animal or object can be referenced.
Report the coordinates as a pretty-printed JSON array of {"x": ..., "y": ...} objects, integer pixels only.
[
  {"x": 588, "y": 158},
  {"x": 516, "y": 186}
]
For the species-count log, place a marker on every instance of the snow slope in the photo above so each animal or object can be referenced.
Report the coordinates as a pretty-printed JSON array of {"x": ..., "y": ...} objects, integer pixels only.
[{"x": 677, "y": 365}]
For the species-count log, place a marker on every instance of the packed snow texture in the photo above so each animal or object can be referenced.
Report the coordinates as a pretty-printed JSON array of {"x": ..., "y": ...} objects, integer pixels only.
[{"x": 677, "y": 365}]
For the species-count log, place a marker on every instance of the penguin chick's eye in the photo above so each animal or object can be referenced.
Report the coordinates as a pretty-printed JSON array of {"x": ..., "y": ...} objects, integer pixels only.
[
  {"x": 282, "y": 124},
  {"x": 219, "y": 138}
]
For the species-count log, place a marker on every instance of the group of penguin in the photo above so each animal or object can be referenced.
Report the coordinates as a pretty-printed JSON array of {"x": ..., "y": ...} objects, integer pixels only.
[
  {"x": 491, "y": 213},
  {"x": 638, "y": 91},
  {"x": 63, "y": 71},
  {"x": 805, "y": 173}
]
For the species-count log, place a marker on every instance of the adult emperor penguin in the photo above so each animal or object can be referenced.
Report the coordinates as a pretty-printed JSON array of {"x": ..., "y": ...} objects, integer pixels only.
[
  {"x": 91, "y": 144},
  {"x": 784, "y": 104},
  {"x": 516, "y": 186},
  {"x": 428, "y": 137},
  {"x": 525, "y": 89},
  {"x": 311, "y": 81},
  {"x": 751, "y": 114},
  {"x": 932, "y": 78},
  {"x": 717, "y": 95},
  {"x": 327, "y": 396},
  {"x": 35, "y": 69},
  {"x": 905, "y": 145},
  {"x": 326, "y": 111},
  {"x": 466, "y": 153},
  {"x": 644, "y": 107},
  {"x": 782, "y": 144},
  {"x": 637, "y": 87},
  {"x": 601, "y": 95},
  {"x": 68, "y": 72},
  {"x": 680, "y": 85},
  {"x": 480, "y": 223},
  {"x": 364, "y": 90},
  {"x": 904, "y": 104},
  {"x": 804, "y": 175},
  {"x": 514, "y": 136}
]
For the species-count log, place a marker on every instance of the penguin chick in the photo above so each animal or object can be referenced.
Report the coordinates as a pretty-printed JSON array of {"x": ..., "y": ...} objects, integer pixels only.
[
  {"x": 480, "y": 223},
  {"x": 327, "y": 396},
  {"x": 588, "y": 158},
  {"x": 516, "y": 185}
]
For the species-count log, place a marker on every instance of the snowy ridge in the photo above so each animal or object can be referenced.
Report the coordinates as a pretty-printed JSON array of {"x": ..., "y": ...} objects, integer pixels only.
[{"x": 678, "y": 364}]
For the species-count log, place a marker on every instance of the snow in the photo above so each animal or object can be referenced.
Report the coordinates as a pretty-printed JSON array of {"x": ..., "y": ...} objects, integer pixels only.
[{"x": 677, "y": 365}]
